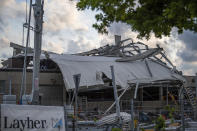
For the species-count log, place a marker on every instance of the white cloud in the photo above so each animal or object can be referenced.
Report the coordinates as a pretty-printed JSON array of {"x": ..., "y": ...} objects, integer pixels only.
[
  {"x": 53, "y": 47},
  {"x": 10, "y": 9},
  {"x": 10, "y": 12},
  {"x": 80, "y": 44},
  {"x": 62, "y": 14},
  {"x": 4, "y": 42}
]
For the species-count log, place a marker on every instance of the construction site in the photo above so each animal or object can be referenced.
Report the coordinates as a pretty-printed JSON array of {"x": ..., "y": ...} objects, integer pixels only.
[
  {"x": 122, "y": 86},
  {"x": 140, "y": 73}
]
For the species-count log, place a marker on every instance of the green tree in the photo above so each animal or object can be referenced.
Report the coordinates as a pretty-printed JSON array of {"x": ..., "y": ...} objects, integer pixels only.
[
  {"x": 171, "y": 111},
  {"x": 144, "y": 16}
]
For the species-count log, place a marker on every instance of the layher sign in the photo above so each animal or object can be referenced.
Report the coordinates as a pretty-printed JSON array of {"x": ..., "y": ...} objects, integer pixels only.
[{"x": 32, "y": 118}]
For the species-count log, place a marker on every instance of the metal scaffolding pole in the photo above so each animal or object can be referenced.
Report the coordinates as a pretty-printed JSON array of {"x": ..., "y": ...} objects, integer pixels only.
[
  {"x": 115, "y": 94},
  {"x": 38, "y": 15},
  {"x": 167, "y": 95},
  {"x": 132, "y": 115},
  {"x": 23, "y": 83},
  {"x": 77, "y": 82},
  {"x": 182, "y": 113},
  {"x": 195, "y": 112}
]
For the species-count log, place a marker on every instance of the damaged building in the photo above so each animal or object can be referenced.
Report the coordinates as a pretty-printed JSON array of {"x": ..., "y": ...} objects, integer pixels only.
[{"x": 141, "y": 72}]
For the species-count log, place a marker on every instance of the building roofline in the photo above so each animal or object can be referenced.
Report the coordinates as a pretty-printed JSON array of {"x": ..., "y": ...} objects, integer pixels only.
[{"x": 28, "y": 70}]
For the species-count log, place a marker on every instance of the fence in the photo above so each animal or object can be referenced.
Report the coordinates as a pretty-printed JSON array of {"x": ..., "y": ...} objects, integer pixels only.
[{"x": 145, "y": 112}]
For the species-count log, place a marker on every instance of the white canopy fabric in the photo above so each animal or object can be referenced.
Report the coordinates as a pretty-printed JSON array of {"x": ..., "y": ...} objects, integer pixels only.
[
  {"x": 112, "y": 119},
  {"x": 92, "y": 67}
]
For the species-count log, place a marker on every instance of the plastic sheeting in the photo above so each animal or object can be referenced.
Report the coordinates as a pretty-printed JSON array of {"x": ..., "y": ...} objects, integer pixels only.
[{"x": 91, "y": 69}]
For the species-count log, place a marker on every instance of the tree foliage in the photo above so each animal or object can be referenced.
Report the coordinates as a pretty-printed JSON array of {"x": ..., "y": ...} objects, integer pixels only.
[
  {"x": 160, "y": 124},
  {"x": 144, "y": 16}
]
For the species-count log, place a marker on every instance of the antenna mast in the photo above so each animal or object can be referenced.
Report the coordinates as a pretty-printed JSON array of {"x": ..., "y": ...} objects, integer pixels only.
[{"x": 38, "y": 16}]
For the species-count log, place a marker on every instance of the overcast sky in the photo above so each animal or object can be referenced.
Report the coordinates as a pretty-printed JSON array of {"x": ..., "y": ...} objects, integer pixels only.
[{"x": 67, "y": 30}]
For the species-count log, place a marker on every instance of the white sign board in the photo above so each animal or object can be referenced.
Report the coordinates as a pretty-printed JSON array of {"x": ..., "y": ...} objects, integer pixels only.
[{"x": 32, "y": 118}]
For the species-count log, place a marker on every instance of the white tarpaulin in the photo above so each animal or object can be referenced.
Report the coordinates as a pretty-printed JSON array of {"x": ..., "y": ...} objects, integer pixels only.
[
  {"x": 32, "y": 118},
  {"x": 112, "y": 118},
  {"x": 90, "y": 67}
]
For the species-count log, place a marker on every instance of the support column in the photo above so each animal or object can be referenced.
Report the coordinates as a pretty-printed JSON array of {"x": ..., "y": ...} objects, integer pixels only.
[
  {"x": 77, "y": 82},
  {"x": 38, "y": 15},
  {"x": 69, "y": 97},
  {"x": 196, "y": 86},
  {"x": 182, "y": 112},
  {"x": 167, "y": 95},
  {"x": 132, "y": 115},
  {"x": 161, "y": 93},
  {"x": 141, "y": 94},
  {"x": 115, "y": 93},
  {"x": 196, "y": 97},
  {"x": 64, "y": 95}
]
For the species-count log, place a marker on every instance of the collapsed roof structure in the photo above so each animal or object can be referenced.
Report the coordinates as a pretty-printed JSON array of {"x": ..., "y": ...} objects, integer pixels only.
[
  {"x": 136, "y": 66},
  {"x": 133, "y": 63},
  {"x": 92, "y": 69}
]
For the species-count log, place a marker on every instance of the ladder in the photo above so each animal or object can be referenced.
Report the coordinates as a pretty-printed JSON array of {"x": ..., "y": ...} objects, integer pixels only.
[{"x": 191, "y": 97}]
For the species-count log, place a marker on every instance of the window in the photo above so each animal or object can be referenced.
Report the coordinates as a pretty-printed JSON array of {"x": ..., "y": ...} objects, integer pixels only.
[
  {"x": 193, "y": 80},
  {"x": 2, "y": 86}
]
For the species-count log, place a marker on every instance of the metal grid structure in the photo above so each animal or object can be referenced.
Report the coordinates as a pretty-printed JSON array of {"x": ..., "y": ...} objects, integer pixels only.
[{"x": 130, "y": 51}]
